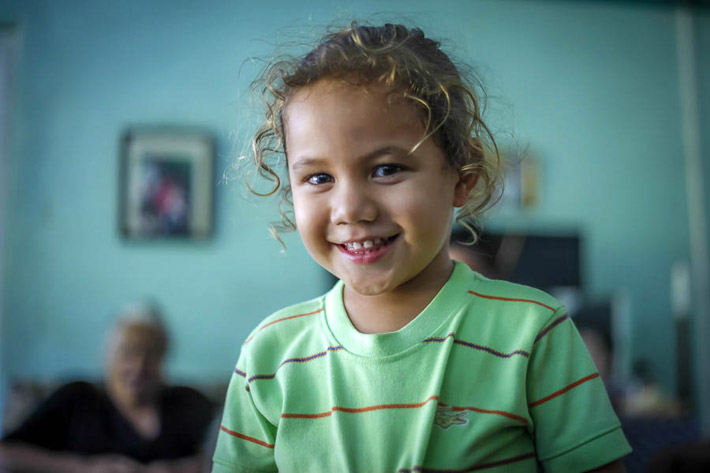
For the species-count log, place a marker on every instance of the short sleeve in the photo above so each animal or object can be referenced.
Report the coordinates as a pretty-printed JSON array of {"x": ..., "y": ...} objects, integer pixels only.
[
  {"x": 246, "y": 439},
  {"x": 574, "y": 425},
  {"x": 48, "y": 425}
]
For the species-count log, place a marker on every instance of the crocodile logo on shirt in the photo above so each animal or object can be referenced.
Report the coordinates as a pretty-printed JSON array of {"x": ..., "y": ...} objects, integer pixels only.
[{"x": 446, "y": 416}]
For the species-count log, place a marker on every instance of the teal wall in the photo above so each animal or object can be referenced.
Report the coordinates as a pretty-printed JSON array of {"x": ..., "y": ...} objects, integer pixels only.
[
  {"x": 591, "y": 88},
  {"x": 703, "y": 47}
]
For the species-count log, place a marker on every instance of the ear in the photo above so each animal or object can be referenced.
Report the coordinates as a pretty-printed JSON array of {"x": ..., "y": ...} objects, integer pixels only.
[{"x": 466, "y": 182}]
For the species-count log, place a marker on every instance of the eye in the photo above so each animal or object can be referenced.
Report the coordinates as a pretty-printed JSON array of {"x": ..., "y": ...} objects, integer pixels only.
[
  {"x": 384, "y": 170},
  {"x": 318, "y": 179}
]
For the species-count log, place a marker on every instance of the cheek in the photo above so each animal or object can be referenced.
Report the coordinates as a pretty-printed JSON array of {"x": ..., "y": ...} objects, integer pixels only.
[
  {"x": 121, "y": 368},
  {"x": 300, "y": 211},
  {"x": 427, "y": 212},
  {"x": 430, "y": 227},
  {"x": 309, "y": 221}
]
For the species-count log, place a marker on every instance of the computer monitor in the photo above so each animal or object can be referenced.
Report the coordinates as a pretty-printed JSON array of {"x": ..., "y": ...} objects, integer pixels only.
[{"x": 543, "y": 261}]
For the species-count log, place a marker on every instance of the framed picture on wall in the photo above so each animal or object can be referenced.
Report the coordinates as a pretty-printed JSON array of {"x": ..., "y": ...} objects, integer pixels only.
[
  {"x": 166, "y": 183},
  {"x": 522, "y": 180}
]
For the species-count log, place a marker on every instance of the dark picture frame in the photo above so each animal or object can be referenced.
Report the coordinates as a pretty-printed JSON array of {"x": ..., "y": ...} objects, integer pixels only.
[{"x": 166, "y": 183}]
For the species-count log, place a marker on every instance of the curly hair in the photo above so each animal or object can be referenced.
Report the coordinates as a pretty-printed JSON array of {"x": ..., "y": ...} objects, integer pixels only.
[{"x": 406, "y": 62}]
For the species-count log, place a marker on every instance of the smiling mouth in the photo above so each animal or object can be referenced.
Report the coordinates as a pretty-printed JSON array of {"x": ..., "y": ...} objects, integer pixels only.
[{"x": 365, "y": 247}]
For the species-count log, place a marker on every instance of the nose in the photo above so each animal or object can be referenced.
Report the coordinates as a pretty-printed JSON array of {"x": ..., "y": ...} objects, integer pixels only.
[{"x": 353, "y": 203}]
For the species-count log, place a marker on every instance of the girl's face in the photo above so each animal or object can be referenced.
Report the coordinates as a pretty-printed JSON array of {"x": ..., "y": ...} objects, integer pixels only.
[{"x": 367, "y": 210}]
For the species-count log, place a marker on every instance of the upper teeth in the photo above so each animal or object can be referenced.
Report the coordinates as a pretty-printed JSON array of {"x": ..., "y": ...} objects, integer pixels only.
[{"x": 356, "y": 245}]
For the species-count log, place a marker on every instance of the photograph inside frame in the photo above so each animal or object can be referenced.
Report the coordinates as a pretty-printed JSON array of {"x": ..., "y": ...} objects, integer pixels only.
[{"x": 166, "y": 183}]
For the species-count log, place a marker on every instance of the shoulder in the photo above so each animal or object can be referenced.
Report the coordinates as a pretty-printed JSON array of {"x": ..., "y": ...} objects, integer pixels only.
[
  {"x": 508, "y": 295},
  {"x": 286, "y": 325},
  {"x": 49, "y": 421},
  {"x": 76, "y": 390},
  {"x": 522, "y": 309}
]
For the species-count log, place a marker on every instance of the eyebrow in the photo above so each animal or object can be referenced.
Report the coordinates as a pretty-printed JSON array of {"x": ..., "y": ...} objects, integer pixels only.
[
  {"x": 308, "y": 161},
  {"x": 394, "y": 150}
]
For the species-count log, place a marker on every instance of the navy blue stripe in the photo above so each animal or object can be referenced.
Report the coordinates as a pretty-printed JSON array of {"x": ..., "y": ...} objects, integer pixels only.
[
  {"x": 295, "y": 360},
  {"x": 261, "y": 376},
  {"x": 309, "y": 358},
  {"x": 301, "y": 360},
  {"x": 554, "y": 324},
  {"x": 476, "y": 346}
]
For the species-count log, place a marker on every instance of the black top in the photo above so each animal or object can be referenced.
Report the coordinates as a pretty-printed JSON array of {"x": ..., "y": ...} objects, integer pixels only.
[{"x": 81, "y": 418}]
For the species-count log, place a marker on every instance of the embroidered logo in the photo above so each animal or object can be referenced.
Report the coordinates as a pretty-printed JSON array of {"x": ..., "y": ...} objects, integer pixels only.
[{"x": 447, "y": 416}]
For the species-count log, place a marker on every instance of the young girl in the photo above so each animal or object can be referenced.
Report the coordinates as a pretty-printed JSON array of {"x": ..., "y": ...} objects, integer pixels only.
[{"x": 412, "y": 362}]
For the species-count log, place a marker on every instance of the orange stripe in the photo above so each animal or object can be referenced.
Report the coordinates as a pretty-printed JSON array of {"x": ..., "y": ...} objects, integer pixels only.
[
  {"x": 563, "y": 390},
  {"x": 245, "y": 437},
  {"x": 281, "y": 320},
  {"x": 486, "y": 411},
  {"x": 358, "y": 410},
  {"x": 482, "y": 466},
  {"x": 307, "y": 416},
  {"x": 511, "y": 299},
  {"x": 507, "y": 461}
]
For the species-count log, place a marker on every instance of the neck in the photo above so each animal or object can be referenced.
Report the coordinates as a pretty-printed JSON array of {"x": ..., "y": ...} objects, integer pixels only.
[
  {"x": 393, "y": 310},
  {"x": 141, "y": 413},
  {"x": 127, "y": 401}
]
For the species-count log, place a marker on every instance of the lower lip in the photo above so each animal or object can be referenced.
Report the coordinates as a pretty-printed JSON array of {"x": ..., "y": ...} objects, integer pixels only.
[{"x": 366, "y": 258}]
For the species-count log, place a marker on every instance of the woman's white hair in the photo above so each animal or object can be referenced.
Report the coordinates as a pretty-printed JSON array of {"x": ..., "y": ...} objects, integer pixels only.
[{"x": 144, "y": 313}]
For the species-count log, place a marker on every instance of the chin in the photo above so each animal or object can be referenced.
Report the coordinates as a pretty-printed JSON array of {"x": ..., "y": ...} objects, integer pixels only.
[{"x": 369, "y": 288}]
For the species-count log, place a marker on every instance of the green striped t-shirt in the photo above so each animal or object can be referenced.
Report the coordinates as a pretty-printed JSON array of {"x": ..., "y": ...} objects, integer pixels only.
[{"x": 489, "y": 376}]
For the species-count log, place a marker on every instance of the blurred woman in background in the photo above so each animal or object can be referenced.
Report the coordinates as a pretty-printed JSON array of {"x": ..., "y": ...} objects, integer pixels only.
[{"x": 132, "y": 423}]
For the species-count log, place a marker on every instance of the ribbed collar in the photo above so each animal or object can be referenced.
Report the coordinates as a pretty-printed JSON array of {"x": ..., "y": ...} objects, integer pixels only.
[{"x": 392, "y": 343}]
